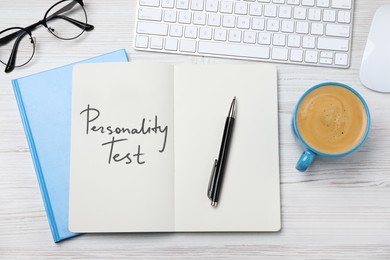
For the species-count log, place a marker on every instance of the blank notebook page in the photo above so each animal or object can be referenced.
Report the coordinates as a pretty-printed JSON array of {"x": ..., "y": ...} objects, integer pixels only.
[{"x": 250, "y": 196}]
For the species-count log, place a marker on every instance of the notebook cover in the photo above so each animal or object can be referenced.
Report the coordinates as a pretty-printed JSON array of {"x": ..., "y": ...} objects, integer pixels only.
[{"x": 44, "y": 101}]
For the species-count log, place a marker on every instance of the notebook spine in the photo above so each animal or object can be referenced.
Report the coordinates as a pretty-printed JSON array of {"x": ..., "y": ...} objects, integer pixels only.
[{"x": 37, "y": 165}]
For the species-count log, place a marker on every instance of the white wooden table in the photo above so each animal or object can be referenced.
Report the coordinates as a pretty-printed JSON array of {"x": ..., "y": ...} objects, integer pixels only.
[{"x": 340, "y": 210}]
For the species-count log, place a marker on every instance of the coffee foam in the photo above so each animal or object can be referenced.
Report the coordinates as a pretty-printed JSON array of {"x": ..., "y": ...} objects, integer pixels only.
[{"x": 332, "y": 119}]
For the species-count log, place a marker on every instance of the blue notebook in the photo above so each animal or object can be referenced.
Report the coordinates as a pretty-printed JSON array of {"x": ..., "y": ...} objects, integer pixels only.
[{"x": 44, "y": 101}]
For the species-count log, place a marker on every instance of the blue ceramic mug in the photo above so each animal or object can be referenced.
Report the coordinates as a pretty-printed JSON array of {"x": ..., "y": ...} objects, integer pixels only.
[{"x": 310, "y": 152}]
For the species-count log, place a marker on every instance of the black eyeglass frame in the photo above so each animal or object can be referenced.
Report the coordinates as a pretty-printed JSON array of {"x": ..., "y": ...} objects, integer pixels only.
[{"x": 27, "y": 30}]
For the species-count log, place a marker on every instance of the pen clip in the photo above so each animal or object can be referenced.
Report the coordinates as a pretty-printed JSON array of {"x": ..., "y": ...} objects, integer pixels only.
[{"x": 211, "y": 186}]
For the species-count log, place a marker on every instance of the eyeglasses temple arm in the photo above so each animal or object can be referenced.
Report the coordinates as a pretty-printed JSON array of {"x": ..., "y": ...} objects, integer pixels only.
[
  {"x": 12, "y": 59},
  {"x": 12, "y": 36},
  {"x": 87, "y": 27}
]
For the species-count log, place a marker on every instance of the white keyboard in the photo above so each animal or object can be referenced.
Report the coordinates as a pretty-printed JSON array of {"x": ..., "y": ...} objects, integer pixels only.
[{"x": 310, "y": 32}]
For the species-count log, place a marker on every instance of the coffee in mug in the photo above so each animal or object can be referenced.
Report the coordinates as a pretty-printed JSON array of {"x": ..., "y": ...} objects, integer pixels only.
[{"x": 331, "y": 119}]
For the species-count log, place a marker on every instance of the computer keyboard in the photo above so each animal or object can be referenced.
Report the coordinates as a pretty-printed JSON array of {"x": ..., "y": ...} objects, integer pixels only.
[{"x": 310, "y": 32}]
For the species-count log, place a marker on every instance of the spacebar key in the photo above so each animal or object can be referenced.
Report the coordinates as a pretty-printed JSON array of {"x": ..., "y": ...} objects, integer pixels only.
[{"x": 250, "y": 51}]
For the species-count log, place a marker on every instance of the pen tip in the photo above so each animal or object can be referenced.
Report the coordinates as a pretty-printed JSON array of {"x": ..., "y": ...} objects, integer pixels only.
[{"x": 232, "y": 110}]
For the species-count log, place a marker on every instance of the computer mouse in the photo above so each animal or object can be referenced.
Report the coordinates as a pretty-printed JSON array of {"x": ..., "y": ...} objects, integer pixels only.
[{"x": 375, "y": 68}]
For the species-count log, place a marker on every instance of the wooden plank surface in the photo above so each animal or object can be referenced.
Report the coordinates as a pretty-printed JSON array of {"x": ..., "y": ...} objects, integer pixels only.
[{"x": 340, "y": 210}]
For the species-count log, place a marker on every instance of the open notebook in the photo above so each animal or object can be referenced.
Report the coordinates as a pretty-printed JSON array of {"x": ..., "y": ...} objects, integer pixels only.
[{"x": 144, "y": 139}]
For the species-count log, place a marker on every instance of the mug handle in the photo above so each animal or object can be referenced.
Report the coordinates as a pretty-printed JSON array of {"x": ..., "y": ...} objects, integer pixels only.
[{"x": 305, "y": 160}]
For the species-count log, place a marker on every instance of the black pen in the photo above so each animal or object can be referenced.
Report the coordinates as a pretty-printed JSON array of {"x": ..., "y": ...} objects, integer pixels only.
[{"x": 216, "y": 178}]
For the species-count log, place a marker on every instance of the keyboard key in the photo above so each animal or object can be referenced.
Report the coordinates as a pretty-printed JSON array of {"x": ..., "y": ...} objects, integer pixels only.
[
  {"x": 278, "y": 1},
  {"x": 220, "y": 34},
  {"x": 337, "y": 30},
  {"x": 311, "y": 56},
  {"x": 317, "y": 29},
  {"x": 293, "y": 2},
  {"x": 154, "y": 3},
  {"x": 226, "y": 7},
  {"x": 170, "y": 16},
  {"x": 176, "y": 30},
  {"x": 229, "y": 21},
  {"x": 273, "y": 25},
  {"x": 188, "y": 45},
  {"x": 308, "y": 42},
  {"x": 302, "y": 27},
  {"x": 326, "y": 61},
  {"x": 264, "y": 38},
  {"x": 333, "y": 44},
  {"x": 199, "y": 18},
  {"x": 171, "y": 44},
  {"x": 342, "y": 4},
  {"x": 191, "y": 32},
  {"x": 314, "y": 14},
  {"x": 300, "y": 13},
  {"x": 211, "y": 5},
  {"x": 185, "y": 17},
  {"x": 249, "y": 37},
  {"x": 279, "y": 39},
  {"x": 183, "y": 4},
  {"x": 156, "y": 43},
  {"x": 296, "y": 55},
  {"x": 151, "y": 14},
  {"x": 141, "y": 41},
  {"x": 255, "y": 9},
  {"x": 341, "y": 59},
  {"x": 234, "y": 36},
  {"x": 308, "y": 2},
  {"x": 294, "y": 41},
  {"x": 329, "y": 16},
  {"x": 152, "y": 28},
  {"x": 236, "y": 50},
  {"x": 287, "y": 26},
  {"x": 258, "y": 23},
  {"x": 243, "y": 22},
  {"x": 279, "y": 54},
  {"x": 197, "y": 5},
  {"x": 205, "y": 33},
  {"x": 323, "y": 3},
  {"x": 326, "y": 54},
  {"x": 167, "y": 3},
  {"x": 344, "y": 17},
  {"x": 270, "y": 10},
  {"x": 285, "y": 12},
  {"x": 214, "y": 20},
  {"x": 241, "y": 8}
]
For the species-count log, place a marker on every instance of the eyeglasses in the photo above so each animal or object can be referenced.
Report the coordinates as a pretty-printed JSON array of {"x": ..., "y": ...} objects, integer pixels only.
[{"x": 66, "y": 20}]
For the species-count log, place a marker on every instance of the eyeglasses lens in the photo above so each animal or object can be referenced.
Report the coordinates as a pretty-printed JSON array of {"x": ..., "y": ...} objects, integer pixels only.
[{"x": 66, "y": 20}]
